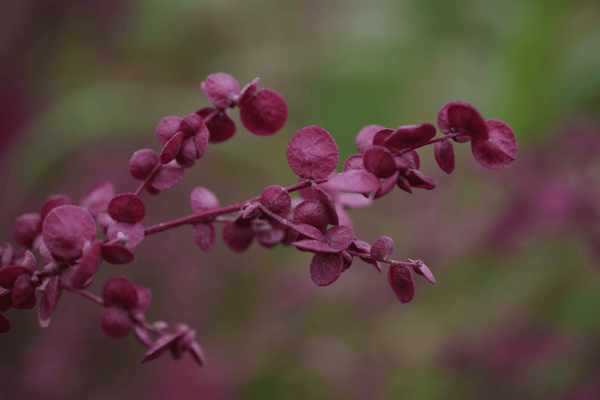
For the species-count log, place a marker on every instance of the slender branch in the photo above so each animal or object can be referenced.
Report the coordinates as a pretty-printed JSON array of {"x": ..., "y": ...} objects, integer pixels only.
[
  {"x": 87, "y": 295},
  {"x": 368, "y": 257},
  {"x": 210, "y": 214},
  {"x": 150, "y": 176},
  {"x": 430, "y": 141}
]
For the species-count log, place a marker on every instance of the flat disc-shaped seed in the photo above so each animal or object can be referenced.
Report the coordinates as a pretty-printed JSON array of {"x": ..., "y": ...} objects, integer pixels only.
[
  {"x": 188, "y": 154},
  {"x": 238, "y": 236},
  {"x": 171, "y": 149},
  {"x": 417, "y": 179},
  {"x": 444, "y": 124},
  {"x": 23, "y": 293},
  {"x": 248, "y": 91},
  {"x": 306, "y": 230},
  {"x": 26, "y": 228},
  {"x": 190, "y": 125},
  {"x": 381, "y": 136},
  {"x": 276, "y": 199},
  {"x": 270, "y": 237},
  {"x": 5, "y": 324},
  {"x": 49, "y": 300},
  {"x": 314, "y": 246},
  {"x": 404, "y": 184},
  {"x": 264, "y": 113},
  {"x": 339, "y": 237},
  {"x": 115, "y": 323},
  {"x": 326, "y": 268},
  {"x": 144, "y": 298},
  {"x": 402, "y": 282},
  {"x": 413, "y": 158},
  {"x": 355, "y": 161},
  {"x": 97, "y": 198},
  {"x": 327, "y": 200},
  {"x": 356, "y": 181},
  {"x": 382, "y": 247},
  {"x": 127, "y": 207},
  {"x": 167, "y": 127},
  {"x": 364, "y": 138},
  {"x": 312, "y": 153},
  {"x": 411, "y": 135},
  {"x": 220, "y": 88},
  {"x": 167, "y": 176},
  {"x": 220, "y": 126},
  {"x": 423, "y": 270},
  {"x": 379, "y": 161},
  {"x": 81, "y": 274},
  {"x": 9, "y": 274},
  {"x": 120, "y": 292},
  {"x": 467, "y": 120},
  {"x": 387, "y": 185},
  {"x": 117, "y": 254},
  {"x": 66, "y": 229},
  {"x": 161, "y": 345},
  {"x": 52, "y": 202},
  {"x": 142, "y": 163},
  {"x": 312, "y": 212},
  {"x": 205, "y": 235},
  {"x": 121, "y": 230},
  {"x": 499, "y": 149},
  {"x": 201, "y": 140},
  {"x": 203, "y": 199},
  {"x": 444, "y": 155}
]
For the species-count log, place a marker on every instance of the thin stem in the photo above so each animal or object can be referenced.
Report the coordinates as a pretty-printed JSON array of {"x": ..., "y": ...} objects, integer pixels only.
[
  {"x": 210, "y": 214},
  {"x": 87, "y": 295},
  {"x": 431, "y": 141},
  {"x": 150, "y": 176},
  {"x": 368, "y": 257}
]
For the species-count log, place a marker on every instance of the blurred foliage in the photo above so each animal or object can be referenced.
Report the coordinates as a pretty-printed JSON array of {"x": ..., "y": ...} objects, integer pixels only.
[{"x": 98, "y": 76}]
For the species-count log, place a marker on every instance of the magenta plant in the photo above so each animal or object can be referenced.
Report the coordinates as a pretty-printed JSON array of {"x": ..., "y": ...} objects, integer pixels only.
[{"x": 64, "y": 234}]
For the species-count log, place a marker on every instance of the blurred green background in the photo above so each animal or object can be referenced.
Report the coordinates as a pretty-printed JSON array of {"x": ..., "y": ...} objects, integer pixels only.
[{"x": 84, "y": 84}]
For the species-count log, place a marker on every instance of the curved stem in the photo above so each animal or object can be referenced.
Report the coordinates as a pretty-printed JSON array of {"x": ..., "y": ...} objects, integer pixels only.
[
  {"x": 87, "y": 295},
  {"x": 210, "y": 214},
  {"x": 430, "y": 141},
  {"x": 368, "y": 257},
  {"x": 150, "y": 176}
]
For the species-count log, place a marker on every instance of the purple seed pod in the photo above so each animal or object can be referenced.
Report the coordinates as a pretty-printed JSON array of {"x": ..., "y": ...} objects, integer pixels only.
[
  {"x": 127, "y": 207},
  {"x": 461, "y": 117},
  {"x": 402, "y": 282},
  {"x": 264, "y": 113},
  {"x": 499, "y": 149},
  {"x": 326, "y": 268},
  {"x": 97, "y": 198},
  {"x": 26, "y": 229},
  {"x": 167, "y": 128},
  {"x": 444, "y": 155},
  {"x": 238, "y": 236},
  {"x": 220, "y": 126},
  {"x": 66, "y": 229},
  {"x": 203, "y": 200},
  {"x": 382, "y": 247},
  {"x": 115, "y": 323},
  {"x": 364, "y": 138},
  {"x": 312, "y": 153},
  {"x": 411, "y": 136},
  {"x": 221, "y": 89},
  {"x": 379, "y": 161},
  {"x": 142, "y": 163},
  {"x": 120, "y": 292},
  {"x": 312, "y": 212},
  {"x": 276, "y": 199}
]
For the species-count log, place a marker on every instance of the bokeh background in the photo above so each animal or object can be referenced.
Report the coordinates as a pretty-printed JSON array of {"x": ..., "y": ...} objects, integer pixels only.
[{"x": 516, "y": 310}]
